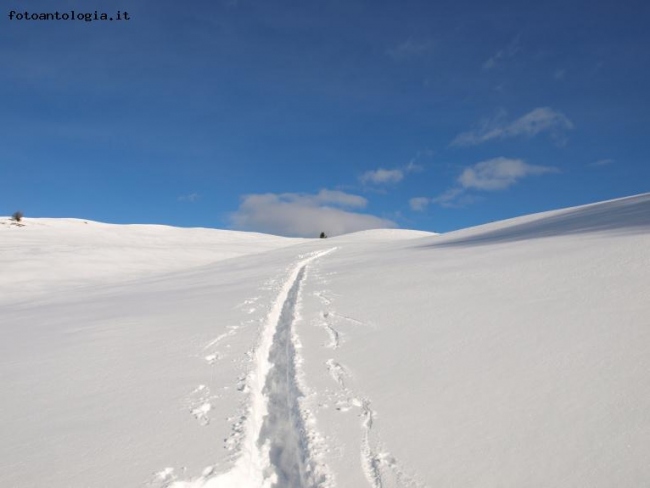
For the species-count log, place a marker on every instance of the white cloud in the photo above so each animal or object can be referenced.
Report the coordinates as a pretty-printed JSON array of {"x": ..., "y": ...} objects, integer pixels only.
[
  {"x": 334, "y": 197},
  {"x": 449, "y": 197},
  {"x": 382, "y": 176},
  {"x": 541, "y": 119},
  {"x": 294, "y": 214},
  {"x": 419, "y": 203},
  {"x": 324, "y": 197},
  {"x": 508, "y": 52},
  {"x": 410, "y": 49},
  {"x": 499, "y": 173},
  {"x": 602, "y": 162},
  {"x": 491, "y": 175},
  {"x": 192, "y": 197}
]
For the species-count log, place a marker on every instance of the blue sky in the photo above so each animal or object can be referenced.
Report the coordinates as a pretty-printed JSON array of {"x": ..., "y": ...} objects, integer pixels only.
[{"x": 291, "y": 117}]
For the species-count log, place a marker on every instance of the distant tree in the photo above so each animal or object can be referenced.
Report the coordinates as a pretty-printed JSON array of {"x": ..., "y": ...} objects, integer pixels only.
[
  {"x": 17, "y": 216},
  {"x": 322, "y": 235}
]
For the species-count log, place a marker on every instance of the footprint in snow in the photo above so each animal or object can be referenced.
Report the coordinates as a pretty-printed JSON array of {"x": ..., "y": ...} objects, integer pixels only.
[
  {"x": 199, "y": 404},
  {"x": 212, "y": 358},
  {"x": 337, "y": 372},
  {"x": 200, "y": 413}
]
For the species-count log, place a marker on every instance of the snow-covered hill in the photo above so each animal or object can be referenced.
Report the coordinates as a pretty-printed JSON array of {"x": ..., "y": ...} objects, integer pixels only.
[
  {"x": 40, "y": 255},
  {"x": 512, "y": 354}
]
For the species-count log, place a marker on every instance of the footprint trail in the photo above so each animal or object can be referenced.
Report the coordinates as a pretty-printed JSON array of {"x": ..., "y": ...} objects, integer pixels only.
[{"x": 274, "y": 451}]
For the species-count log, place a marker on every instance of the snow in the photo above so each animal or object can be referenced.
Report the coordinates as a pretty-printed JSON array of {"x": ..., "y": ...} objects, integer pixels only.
[
  {"x": 38, "y": 255},
  {"x": 511, "y": 354}
]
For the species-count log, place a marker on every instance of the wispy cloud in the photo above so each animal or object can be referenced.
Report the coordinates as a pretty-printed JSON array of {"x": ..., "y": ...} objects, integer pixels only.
[
  {"x": 413, "y": 167},
  {"x": 499, "y": 173},
  {"x": 455, "y": 198},
  {"x": 559, "y": 74},
  {"x": 192, "y": 197},
  {"x": 541, "y": 119},
  {"x": 449, "y": 197},
  {"x": 491, "y": 175},
  {"x": 601, "y": 162},
  {"x": 510, "y": 51},
  {"x": 305, "y": 215},
  {"x": 410, "y": 49},
  {"x": 419, "y": 203},
  {"x": 383, "y": 176}
]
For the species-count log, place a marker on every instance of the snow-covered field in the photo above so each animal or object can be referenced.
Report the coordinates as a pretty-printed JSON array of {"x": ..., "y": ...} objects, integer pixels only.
[{"x": 515, "y": 354}]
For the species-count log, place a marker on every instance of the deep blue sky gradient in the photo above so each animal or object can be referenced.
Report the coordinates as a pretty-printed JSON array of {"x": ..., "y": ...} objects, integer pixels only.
[{"x": 120, "y": 121}]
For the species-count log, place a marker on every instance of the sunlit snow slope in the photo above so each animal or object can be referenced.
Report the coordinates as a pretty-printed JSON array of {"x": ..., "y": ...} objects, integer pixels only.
[
  {"x": 514, "y": 354},
  {"x": 41, "y": 255}
]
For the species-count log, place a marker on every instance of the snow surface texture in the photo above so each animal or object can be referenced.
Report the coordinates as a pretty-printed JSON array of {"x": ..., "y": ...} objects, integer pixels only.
[
  {"x": 512, "y": 354},
  {"x": 39, "y": 255}
]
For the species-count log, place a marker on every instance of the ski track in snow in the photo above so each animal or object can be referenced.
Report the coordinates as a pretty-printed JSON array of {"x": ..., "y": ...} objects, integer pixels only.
[
  {"x": 283, "y": 429},
  {"x": 274, "y": 450},
  {"x": 271, "y": 439},
  {"x": 379, "y": 467}
]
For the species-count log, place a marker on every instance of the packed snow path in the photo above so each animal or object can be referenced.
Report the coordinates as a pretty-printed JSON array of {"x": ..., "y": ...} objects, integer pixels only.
[
  {"x": 283, "y": 431},
  {"x": 283, "y": 428},
  {"x": 275, "y": 451}
]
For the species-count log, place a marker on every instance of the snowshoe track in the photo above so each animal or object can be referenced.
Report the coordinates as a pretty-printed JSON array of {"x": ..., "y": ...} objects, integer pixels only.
[{"x": 274, "y": 451}]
